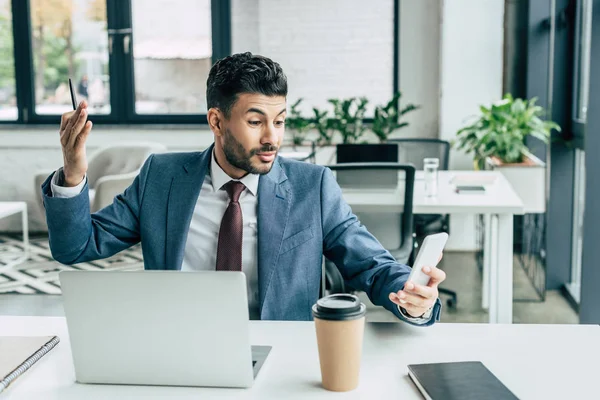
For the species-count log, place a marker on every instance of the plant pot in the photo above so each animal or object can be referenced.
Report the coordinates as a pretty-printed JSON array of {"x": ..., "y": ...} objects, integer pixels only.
[
  {"x": 356, "y": 153},
  {"x": 528, "y": 179}
]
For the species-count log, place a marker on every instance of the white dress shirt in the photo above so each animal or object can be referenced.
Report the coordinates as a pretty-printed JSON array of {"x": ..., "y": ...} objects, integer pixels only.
[{"x": 200, "y": 252}]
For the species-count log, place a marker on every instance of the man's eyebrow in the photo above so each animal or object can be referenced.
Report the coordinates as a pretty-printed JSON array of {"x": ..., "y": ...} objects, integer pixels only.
[
  {"x": 261, "y": 112},
  {"x": 256, "y": 110}
]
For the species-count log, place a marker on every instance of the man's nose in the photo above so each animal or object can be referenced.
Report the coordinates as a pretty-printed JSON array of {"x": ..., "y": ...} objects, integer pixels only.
[{"x": 269, "y": 135}]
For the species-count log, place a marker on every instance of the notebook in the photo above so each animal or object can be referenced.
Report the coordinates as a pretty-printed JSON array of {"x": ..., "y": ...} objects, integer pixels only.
[
  {"x": 18, "y": 354},
  {"x": 458, "y": 381}
]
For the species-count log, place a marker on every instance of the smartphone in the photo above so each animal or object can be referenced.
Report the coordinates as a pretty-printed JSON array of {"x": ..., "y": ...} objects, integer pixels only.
[
  {"x": 470, "y": 189},
  {"x": 428, "y": 256}
]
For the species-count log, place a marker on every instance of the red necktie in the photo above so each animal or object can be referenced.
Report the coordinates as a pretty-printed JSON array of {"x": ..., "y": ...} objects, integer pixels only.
[{"x": 229, "y": 249}]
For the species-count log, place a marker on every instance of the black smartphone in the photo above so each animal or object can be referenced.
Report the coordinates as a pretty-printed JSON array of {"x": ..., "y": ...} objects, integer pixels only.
[
  {"x": 470, "y": 189},
  {"x": 73, "y": 100}
]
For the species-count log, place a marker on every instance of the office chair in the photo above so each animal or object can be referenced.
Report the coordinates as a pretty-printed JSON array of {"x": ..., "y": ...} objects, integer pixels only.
[
  {"x": 111, "y": 169},
  {"x": 393, "y": 230},
  {"x": 414, "y": 151}
]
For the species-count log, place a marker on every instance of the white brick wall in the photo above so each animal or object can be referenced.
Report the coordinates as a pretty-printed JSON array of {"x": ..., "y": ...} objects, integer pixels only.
[{"x": 328, "y": 49}]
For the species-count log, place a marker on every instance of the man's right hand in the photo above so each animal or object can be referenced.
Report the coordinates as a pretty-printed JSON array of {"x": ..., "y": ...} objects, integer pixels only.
[{"x": 74, "y": 130}]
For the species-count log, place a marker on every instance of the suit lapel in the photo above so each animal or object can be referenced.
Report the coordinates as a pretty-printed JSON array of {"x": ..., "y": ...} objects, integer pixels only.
[
  {"x": 183, "y": 195},
  {"x": 274, "y": 201}
]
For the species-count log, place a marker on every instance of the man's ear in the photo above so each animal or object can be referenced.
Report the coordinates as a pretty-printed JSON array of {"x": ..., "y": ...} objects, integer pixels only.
[{"x": 215, "y": 118}]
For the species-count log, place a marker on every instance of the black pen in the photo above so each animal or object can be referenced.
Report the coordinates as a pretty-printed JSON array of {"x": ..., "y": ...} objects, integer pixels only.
[{"x": 72, "y": 95}]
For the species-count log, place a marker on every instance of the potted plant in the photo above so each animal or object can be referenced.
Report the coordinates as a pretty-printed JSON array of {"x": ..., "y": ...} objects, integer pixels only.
[
  {"x": 347, "y": 123},
  {"x": 324, "y": 126},
  {"x": 500, "y": 131},
  {"x": 386, "y": 120},
  {"x": 297, "y": 125},
  {"x": 496, "y": 138},
  {"x": 387, "y": 117}
]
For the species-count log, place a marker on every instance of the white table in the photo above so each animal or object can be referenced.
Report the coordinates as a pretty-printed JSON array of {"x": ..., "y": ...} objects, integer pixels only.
[
  {"x": 498, "y": 204},
  {"x": 533, "y": 361},
  {"x": 11, "y": 208}
]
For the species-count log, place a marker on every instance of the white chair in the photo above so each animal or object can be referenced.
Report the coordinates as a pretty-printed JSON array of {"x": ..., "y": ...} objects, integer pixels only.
[{"x": 111, "y": 169}]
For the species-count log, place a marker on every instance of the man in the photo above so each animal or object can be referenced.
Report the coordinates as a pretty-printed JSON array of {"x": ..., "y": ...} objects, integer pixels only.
[{"x": 235, "y": 206}]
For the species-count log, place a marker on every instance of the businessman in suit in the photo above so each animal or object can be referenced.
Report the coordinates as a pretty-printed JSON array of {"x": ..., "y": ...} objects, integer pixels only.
[{"x": 235, "y": 206}]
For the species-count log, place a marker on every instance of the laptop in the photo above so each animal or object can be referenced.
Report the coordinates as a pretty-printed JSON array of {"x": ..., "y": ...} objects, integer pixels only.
[{"x": 160, "y": 328}]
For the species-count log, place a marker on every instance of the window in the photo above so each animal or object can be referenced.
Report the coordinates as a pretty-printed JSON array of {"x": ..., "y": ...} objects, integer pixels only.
[
  {"x": 581, "y": 89},
  {"x": 582, "y": 59},
  {"x": 133, "y": 61},
  {"x": 8, "y": 99},
  {"x": 328, "y": 49},
  {"x": 69, "y": 40},
  {"x": 172, "y": 52}
]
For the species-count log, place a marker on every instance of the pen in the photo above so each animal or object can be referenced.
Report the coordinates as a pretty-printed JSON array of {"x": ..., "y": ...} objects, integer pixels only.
[{"x": 72, "y": 95}]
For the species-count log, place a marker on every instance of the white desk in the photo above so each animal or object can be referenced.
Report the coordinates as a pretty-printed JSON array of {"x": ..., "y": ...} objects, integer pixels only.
[
  {"x": 498, "y": 204},
  {"x": 533, "y": 361},
  {"x": 11, "y": 208}
]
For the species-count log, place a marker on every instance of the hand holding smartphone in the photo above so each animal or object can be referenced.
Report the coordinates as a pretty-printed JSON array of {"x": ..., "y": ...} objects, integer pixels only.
[{"x": 428, "y": 256}]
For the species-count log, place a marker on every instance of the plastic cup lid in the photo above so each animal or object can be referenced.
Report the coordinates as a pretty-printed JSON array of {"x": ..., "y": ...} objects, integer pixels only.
[{"x": 339, "y": 307}]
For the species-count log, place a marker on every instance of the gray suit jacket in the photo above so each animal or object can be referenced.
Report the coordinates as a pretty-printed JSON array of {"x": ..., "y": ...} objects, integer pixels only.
[{"x": 301, "y": 216}]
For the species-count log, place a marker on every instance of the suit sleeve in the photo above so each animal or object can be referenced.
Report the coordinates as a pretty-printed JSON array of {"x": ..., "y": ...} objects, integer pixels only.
[
  {"x": 363, "y": 262},
  {"x": 77, "y": 236}
]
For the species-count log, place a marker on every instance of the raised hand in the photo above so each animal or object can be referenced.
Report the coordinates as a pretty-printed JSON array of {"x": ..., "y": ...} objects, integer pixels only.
[{"x": 74, "y": 130}]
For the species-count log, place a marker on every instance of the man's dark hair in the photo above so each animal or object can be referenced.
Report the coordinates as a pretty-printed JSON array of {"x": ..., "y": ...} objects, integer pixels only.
[{"x": 243, "y": 73}]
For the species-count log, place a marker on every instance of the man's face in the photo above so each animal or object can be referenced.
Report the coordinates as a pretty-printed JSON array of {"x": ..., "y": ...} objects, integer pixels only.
[{"x": 253, "y": 133}]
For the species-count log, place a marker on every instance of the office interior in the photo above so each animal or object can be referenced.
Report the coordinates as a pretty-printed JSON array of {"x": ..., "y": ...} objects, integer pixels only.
[
  {"x": 522, "y": 235},
  {"x": 145, "y": 83}
]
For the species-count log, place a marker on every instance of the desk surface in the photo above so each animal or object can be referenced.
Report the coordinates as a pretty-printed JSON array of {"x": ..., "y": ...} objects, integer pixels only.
[
  {"x": 534, "y": 361},
  {"x": 499, "y": 197}
]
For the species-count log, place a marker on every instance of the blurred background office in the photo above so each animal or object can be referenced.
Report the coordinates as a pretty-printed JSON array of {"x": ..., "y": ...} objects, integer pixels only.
[{"x": 142, "y": 66}]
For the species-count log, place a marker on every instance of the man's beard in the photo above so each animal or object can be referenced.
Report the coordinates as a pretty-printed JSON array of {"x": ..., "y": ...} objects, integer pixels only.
[{"x": 236, "y": 155}]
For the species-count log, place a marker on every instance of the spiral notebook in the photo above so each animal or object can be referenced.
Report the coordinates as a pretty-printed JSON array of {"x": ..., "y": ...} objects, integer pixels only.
[{"x": 18, "y": 354}]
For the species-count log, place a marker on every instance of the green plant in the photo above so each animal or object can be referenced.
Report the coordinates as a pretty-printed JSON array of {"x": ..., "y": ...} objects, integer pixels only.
[
  {"x": 387, "y": 117},
  {"x": 324, "y": 127},
  {"x": 348, "y": 116},
  {"x": 501, "y": 130},
  {"x": 297, "y": 124}
]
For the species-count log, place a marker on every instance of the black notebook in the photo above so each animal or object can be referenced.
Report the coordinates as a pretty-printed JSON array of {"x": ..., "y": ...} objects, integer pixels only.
[{"x": 458, "y": 380}]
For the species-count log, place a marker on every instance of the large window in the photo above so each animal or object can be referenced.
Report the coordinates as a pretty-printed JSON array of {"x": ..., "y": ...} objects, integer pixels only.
[
  {"x": 8, "y": 100},
  {"x": 134, "y": 61}
]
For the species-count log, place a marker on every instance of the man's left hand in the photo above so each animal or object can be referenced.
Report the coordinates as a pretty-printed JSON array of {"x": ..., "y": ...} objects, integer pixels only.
[{"x": 418, "y": 299}]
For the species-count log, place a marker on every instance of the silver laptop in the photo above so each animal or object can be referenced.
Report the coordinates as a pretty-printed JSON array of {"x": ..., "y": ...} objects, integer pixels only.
[{"x": 160, "y": 328}]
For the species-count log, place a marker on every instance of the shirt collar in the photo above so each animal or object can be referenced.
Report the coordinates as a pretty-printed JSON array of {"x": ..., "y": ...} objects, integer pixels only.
[{"x": 220, "y": 177}]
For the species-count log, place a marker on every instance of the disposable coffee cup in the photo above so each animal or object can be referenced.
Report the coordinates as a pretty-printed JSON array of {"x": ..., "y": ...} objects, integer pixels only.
[{"x": 340, "y": 325}]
